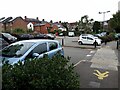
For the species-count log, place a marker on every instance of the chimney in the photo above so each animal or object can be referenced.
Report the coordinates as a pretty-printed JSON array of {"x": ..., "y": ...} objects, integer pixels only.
[
  {"x": 37, "y": 18},
  {"x": 25, "y": 17}
]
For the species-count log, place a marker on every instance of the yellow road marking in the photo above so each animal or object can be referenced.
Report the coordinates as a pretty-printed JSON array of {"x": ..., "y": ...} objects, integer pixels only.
[{"x": 100, "y": 75}]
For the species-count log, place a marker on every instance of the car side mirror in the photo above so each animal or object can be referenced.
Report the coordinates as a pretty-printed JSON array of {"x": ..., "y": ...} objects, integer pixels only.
[{"x": 35, "y": 55}]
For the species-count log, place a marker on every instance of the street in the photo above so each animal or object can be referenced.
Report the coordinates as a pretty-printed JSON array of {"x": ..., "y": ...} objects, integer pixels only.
[
  {"x": 78, "y": 54},
  {"x": 97, "y": 68}
]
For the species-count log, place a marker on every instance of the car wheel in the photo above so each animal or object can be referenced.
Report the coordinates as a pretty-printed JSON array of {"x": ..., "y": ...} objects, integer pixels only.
[{"x": 80, "y": 43}]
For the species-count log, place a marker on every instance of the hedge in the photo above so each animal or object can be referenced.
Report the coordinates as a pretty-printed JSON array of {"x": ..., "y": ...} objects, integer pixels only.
[{"x": 43, "y": 73}]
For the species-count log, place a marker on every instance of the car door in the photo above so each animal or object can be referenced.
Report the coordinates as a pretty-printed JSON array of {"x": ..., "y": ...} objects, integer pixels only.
[
  {"x": 53, "y": 48},
  {"x": 84, "y": 39},
  {"x": 90, "y": 40},
  {"x": 40, "y": 49}
]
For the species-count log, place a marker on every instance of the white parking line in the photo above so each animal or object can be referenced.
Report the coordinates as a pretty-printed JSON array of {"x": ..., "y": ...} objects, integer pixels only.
[
  {"x": 79, "y": 62},
  {"x": 92, "y": 51}
]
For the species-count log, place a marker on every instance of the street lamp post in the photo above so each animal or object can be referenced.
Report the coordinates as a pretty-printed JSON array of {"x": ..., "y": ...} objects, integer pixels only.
[{"x": 104, "y": 16}]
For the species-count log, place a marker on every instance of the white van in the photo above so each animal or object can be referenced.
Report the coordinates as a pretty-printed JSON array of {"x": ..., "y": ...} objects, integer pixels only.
[{"x": 71, "y": 34}]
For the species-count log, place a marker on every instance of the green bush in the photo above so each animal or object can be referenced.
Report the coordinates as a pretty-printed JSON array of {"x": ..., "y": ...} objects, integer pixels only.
[
  {"x": 18, "y": 31},
  {"x": 41, "y": 73},
  {"x": 108, "y": 38},
  {"x": 111, "y": 37}
]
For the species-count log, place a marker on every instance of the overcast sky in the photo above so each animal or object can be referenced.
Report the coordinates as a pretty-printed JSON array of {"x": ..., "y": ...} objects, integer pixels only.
[{"x": 59, "y": 10}]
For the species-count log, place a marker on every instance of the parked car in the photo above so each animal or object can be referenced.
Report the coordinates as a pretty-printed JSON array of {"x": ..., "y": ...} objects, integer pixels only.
[
  {"x": 71, "y": 34},
  {"x": 40, "y": 36},
  {"x": 22, "y": 50},
  {"x": 117, "y": 36},
  {"x": 25, "y": 36},
  {"x": 3, "y": 43},
  {"x": 101, "y": 34},
  {"x": 9, "y": 38},
  {"x": 61, "y": 34},
  {"x": 50, "y": 36},
  {"x": 88, "y": 39}
]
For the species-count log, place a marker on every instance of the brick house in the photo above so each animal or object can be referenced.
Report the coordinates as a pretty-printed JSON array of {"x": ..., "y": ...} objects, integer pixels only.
[
  {"x": 18, "y": 22},
  {"x": 10, "y": 24},
  {"x": 42, "y": 27},
  {"x": 54, "y": 27},
  {"x": 5, "y": 24},
  {"x": 31, "y": 22},
  {"x": 45, "y": 27},
  {"x": 1, "y": 24}
]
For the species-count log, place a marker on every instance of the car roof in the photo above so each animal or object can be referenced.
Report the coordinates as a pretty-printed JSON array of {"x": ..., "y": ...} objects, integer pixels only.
[{"x": 38, "y": 40}]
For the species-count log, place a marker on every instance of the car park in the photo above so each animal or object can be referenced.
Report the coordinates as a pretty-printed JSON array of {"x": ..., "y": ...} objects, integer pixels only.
[
  {"x": 9, "y": 38},
  {"x": 22, "y": 50},
  {"x": 88, "y": 39}
]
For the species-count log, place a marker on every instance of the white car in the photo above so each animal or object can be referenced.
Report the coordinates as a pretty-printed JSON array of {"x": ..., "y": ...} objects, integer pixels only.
[{"x": 88, "y": 39}]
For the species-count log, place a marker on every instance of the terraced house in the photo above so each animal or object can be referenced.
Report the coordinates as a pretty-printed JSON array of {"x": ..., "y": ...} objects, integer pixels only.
[{"x": 9, "y": 24}]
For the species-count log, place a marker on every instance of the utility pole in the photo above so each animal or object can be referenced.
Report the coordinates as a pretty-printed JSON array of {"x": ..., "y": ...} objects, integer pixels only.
[{"x": 104, "y": 17}]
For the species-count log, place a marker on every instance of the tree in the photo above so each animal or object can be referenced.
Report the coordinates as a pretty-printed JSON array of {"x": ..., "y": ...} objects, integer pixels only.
[
  {"x": 85, "y": 24},
  {"x": 114, "y": 22},
  {"x": 65, "y": 24},
  {"x": 96, "y": 26}
]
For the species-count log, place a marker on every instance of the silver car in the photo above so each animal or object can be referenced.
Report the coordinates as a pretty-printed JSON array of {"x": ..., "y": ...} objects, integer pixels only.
[{"x": 22, "y": 50}]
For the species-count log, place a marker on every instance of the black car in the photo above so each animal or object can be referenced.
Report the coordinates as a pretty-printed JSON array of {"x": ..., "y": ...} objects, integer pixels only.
[
  {"x": 40, "y": 36},
  {"x": 3, "y": 43},
  {"x": 9, "y": 38},
  {"x": 25, "y": 36}
]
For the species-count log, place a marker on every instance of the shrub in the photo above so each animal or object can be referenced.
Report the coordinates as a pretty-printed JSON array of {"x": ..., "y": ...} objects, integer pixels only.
[
  {"x": 109, "y": 37},
  {"x": 44, "y": 73},
  {"x": 18, "y": 31}
]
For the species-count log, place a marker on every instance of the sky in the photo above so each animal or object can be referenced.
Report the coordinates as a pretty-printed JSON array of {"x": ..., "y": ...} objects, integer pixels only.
[{"x": 59, "y": 10}]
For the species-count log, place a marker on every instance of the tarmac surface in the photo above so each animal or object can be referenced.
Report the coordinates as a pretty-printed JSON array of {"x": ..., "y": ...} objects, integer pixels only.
[{"x": 102, "y": 71}]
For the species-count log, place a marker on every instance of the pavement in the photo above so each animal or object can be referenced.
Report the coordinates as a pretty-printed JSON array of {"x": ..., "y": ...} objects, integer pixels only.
[{"x": 103, "y": 70}]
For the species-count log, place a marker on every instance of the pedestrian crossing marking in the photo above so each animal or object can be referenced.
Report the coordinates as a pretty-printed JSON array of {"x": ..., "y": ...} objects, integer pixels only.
[{"x": 100, "y": 75}]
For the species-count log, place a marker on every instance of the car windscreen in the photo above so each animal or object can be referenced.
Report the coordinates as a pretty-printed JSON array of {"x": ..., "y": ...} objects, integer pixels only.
[
  {"x": 7, "y": 35},
  {"x": 17, "y": 49}
]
